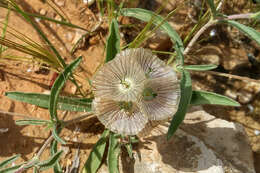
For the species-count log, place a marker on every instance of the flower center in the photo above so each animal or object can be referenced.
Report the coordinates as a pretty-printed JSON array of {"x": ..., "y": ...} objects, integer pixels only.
[
  {"x": 127, "y": 107},
  {"x": 149, "y": 94},
  {"x": 125, "y": 84}
]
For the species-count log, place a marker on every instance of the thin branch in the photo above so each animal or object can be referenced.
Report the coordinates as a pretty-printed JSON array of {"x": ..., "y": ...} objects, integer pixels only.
[
  {"x": 240, "y": 16},
  {"x": 38, "y": 155},
  {"x": 198, "y": 34},
  {"x": 75, "y": 120},
  {"x": 232, "y": 76},
  {"x": 18, "y": 115}
]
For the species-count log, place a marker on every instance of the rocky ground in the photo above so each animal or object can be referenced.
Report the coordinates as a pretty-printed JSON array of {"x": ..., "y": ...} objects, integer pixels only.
[{"x": 228, "y": 136}]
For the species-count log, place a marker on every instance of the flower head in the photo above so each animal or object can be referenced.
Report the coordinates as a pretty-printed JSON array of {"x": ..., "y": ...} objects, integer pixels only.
[
  {"x": 120, "y": 117},
  {"x": 121, "y": 79},
  {"x": 160, "y": 98},
  {"x": 133, "y": 89}
]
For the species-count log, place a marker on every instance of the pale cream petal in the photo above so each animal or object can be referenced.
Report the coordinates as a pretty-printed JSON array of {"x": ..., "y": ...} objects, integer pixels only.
[
  {"x": 119, "y": 120},
  {"x": 107, "y": 82},
  {"x": 166, "y": 101},
  {"x": 152, "y": 65}
]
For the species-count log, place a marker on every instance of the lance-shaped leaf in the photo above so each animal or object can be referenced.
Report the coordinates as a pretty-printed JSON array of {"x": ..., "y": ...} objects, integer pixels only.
[
  {"x": 42, "y": 100},
  {"x": 113, "y": 153},
  {"x": 50, "y": 163},
  {"x": 204, "y": 97},
  {"x": 57, "y": 167},
  {"x": 186, "y": 93},
  {"x": 11, "y": 169},
  {"x": 96, "y": 155},
  {"x": 113, "y": 41},
  {"x": 57, "y": 86},
  {"x": 8, "y": 161},
  {"x": 200, "y": 67},
  {"x": 248, "y": 31},
  {"x": 31, "y": 122}
]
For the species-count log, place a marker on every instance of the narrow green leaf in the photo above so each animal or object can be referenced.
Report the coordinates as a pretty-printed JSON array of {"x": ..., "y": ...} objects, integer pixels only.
[
  {"x": 50, "y": 163},
  {"x": 212, "y": 7},
  {"x": 56, "y": 135},
  {"x": 113, "y": 153},
  {"x": 42, "y": 100},
  {"x": 146, "y": 15},
  {"x": 57, "y": 167},
  {"x": 129, "y": 149},
  {"x": 113, "y": 41},
  {"x": 200, "y": 67},
  {"x": 248, "y": 31},
  {"x": 57, "y": 86},
  {"x": 43, "y": 36},
  {"x": 12, "y": 169},
  {"x": 35, "y": 170},
  {"x": 186, "y": 93},
  {"x": 8, "y": 161},
  {"x": 31, "y": 122},
  {"x": 96, "y": 155},
  {"x": 204, "y": 97}
]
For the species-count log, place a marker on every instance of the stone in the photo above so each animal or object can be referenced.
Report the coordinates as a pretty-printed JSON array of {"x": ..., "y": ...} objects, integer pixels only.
[
  {"x": 42, "y": 12},
  {"x": 245, "y": 97},
  {"x": 88, "y": 2},
  {"x": 203, "y": 144},
  {"x": 60, "y": 3},
  {"x": 228, "y": 139}
]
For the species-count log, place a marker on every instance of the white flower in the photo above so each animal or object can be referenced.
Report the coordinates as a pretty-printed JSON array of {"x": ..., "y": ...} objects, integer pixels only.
[
  {"x": 160, "y": 98},
  {"x": 120, "y": 117},
  {"x": 133, "y": 89},
  {"x": 121, "y": 79}
]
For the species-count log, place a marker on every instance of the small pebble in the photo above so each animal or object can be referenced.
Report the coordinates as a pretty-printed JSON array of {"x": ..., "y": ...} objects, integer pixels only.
[
  {"x": 88, "y": 2},
  {"x": 257, "y": 132},
  {"x": 43, "y": 12},
  {"x": 213, "y": 32},
  {"x": 251, "y": 108},
  {"x": 60, "y": 3},
  {"x": 37, "y": 19},
  {"x": 4, "y": 130}
]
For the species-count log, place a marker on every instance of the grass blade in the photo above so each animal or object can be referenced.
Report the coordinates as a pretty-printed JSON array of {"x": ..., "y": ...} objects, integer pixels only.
[
  {"x": 204, "y": 97},
  {"x": 113, "y": 41},
  {"x": 26, "y": 17},
  {"x": 57, "y": 167},
  {"x": 31, "y": 122},
  {"x": 42, "y": 100},
  {"x": 248, "y": 31},
  {"x": 2, "y": 49},
  {"x": 212, "y": 7},
  {"x": 50, "y": 163},
  {"x": 96, "y": 155},
  {"x": 113, "y": 153},
  {"x": 57, "y": 86},
  {"x": 186, "y": 93},
  {"x": 146, "y": 15},
  {"x": 8, "y": 161},
  {"x": 200, "y": 67}
]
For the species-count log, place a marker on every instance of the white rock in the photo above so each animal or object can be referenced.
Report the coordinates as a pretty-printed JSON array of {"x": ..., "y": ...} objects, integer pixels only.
[
  {"x": 203, "y": 144},
  {"x": 88, "y": 2},
  {"x": 60, "y": 3}
]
